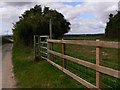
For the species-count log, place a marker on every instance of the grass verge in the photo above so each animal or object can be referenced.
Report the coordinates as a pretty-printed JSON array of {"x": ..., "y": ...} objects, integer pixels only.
[{"x": 30, "y": 74}]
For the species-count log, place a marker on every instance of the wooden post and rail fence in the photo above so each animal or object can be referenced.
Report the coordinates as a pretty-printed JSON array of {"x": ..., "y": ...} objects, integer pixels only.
[{"x": 97, "y": 67}]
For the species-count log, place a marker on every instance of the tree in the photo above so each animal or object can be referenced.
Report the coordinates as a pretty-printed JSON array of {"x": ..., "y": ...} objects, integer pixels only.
[
  {"x": 113, "y": 26},
  {"x": 36, "y": 22}
]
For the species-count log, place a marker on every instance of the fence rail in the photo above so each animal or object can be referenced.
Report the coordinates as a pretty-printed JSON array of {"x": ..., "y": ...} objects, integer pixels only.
[
  {"x": 104, "y": 44},
  {"x": 102, "y": 69},
  {"x": 80, "y": 80},
  {"x": 97, "y": 66}
]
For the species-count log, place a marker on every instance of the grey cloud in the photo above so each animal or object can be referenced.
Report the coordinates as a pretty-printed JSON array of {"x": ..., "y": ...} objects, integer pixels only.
[
  {"x": 96, "y": 27},
  {"x": 18, "y": 3},
  {"x": 101, "y": 11}
]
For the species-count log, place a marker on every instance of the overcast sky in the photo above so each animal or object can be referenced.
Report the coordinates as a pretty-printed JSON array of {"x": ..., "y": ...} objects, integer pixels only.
[{"x": 85, "y": 16}]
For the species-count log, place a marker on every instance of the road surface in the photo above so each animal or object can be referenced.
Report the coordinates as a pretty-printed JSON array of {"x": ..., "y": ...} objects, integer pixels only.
[
  {"x": 8, "y": 80},
  {"x": 0, "y": 67}
]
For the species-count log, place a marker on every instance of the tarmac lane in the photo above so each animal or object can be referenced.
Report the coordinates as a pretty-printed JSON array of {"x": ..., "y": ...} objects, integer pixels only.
[{"x": 8, "y": 80}]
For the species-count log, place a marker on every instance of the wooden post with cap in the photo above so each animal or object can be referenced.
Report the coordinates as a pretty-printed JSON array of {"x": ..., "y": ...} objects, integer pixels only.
[
  {"x": 98, "y": 62},
  {"x": 51, "y": 44},
  {"x": 63, "y": 52}
]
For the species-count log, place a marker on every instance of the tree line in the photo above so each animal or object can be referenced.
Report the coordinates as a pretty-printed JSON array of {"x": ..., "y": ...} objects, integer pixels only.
[
  {"x": 112, "y": 30},
  {"x": 36, "y": 22}
]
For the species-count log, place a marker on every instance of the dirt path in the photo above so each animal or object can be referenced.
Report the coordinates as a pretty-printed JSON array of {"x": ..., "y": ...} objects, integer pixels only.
[{"x": 8, "y": 80}]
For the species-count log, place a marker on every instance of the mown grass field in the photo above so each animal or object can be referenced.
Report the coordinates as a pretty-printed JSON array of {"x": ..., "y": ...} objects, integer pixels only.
[
  {"x": 90, "y": 37},
  {"x": 110, "y": 59},
  {"x": 30, "y": 74}
]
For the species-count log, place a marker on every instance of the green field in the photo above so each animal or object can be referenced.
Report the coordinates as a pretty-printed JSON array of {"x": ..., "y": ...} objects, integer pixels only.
[
  {"x": 90, "y": 37},
  {"x": 43, "y": 75},
  {"x": 110, "y": 59}
]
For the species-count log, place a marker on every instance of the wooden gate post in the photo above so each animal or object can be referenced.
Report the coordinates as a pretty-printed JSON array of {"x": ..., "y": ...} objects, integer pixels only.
[
  {"x": 48, "y": 47},
  {"x": 34, "y": 46},
  {"x": 98, "y": 62},
  {"x": 39, "y": 45},
  {"x": 51, "y": 44},
  {"x": 51, "y": 48},
  {"x": 63, "y": 52}
]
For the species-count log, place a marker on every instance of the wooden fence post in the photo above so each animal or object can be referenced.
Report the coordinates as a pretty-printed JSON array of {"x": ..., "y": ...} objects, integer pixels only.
[
  {"x": 34, "y": 46},
  {"x": 98, "y": 62},
  {"x": 39, "y": 46},
  {"x": 51, "y": 48},
  {"x": 37, "y": 51},
  {"x": 48, "y": 47},
  {"x": 63, "y": 52}
]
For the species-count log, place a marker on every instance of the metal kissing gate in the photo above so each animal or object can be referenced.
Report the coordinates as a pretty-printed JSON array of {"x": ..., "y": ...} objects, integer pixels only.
[{"x": 40, "y": 47}]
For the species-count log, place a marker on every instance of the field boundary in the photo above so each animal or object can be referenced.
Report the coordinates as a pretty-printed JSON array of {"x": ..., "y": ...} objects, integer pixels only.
[{"x": 97, "y": 66}]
